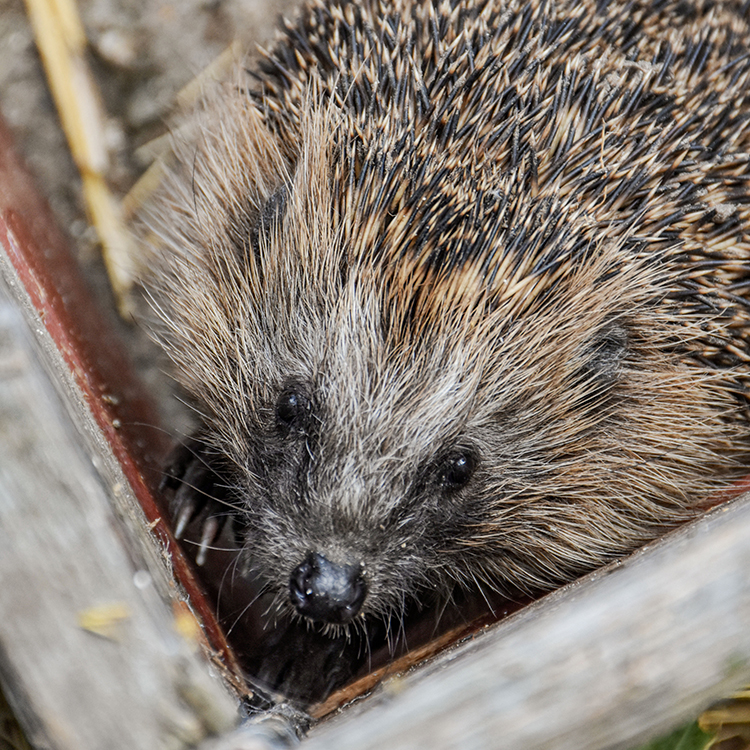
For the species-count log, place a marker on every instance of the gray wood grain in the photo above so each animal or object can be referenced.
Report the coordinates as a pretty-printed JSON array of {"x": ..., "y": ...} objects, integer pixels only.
[
  {"x": 67, "y": 557},
  {"x": 608, "y": 662}
]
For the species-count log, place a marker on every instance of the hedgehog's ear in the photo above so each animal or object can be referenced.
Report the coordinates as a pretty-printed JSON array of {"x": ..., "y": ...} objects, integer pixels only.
[
  {"x": 269, "y": 221},
  {"x": 599, "y": 362},
  {"x": 604, "y": 355}
]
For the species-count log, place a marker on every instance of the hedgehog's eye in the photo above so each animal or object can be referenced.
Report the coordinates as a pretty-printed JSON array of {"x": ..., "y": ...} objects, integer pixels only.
[
  {"x": 457, "y": 469},
  {"x": 293, "y": 410}
]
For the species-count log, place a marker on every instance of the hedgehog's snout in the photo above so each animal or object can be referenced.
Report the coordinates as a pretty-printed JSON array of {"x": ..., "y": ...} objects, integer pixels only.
[{"x": 327, "y": 592}]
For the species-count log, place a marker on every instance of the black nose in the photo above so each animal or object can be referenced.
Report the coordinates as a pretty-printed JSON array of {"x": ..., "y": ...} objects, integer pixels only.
[{"x": 324, "y": 591}]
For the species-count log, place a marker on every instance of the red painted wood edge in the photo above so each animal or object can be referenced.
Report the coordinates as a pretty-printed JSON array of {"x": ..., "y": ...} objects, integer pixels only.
[
  {"x": 724, "y": 496},
  {"x": 40, "y": 255}
]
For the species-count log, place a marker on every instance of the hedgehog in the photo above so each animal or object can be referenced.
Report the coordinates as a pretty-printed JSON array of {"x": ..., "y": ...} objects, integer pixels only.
[{"x": 459, "y": 292}]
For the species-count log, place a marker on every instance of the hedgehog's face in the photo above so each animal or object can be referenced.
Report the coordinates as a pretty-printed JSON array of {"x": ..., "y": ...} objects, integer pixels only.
[
  {"x": 359, "y": 481},
  {"x": 347, "y": 525},
  {"x": 375, "y": 473},
  {"x": 379, "y": 459}
]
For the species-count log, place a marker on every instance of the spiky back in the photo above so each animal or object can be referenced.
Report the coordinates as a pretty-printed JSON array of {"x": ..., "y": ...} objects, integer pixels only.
[{"x": 489, "y": 147}]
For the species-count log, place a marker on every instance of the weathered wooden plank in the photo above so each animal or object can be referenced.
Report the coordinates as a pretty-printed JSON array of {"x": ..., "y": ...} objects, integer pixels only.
[
  {"x": 607, "y": 662},
  {"x": 89, "y": 654},
  {"x": 90, "y": 368},
  {"x": 64, "y": 568}
]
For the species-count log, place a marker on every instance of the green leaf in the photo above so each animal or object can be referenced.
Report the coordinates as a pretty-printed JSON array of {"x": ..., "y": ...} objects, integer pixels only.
[{"x": 690, "y": 737}]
